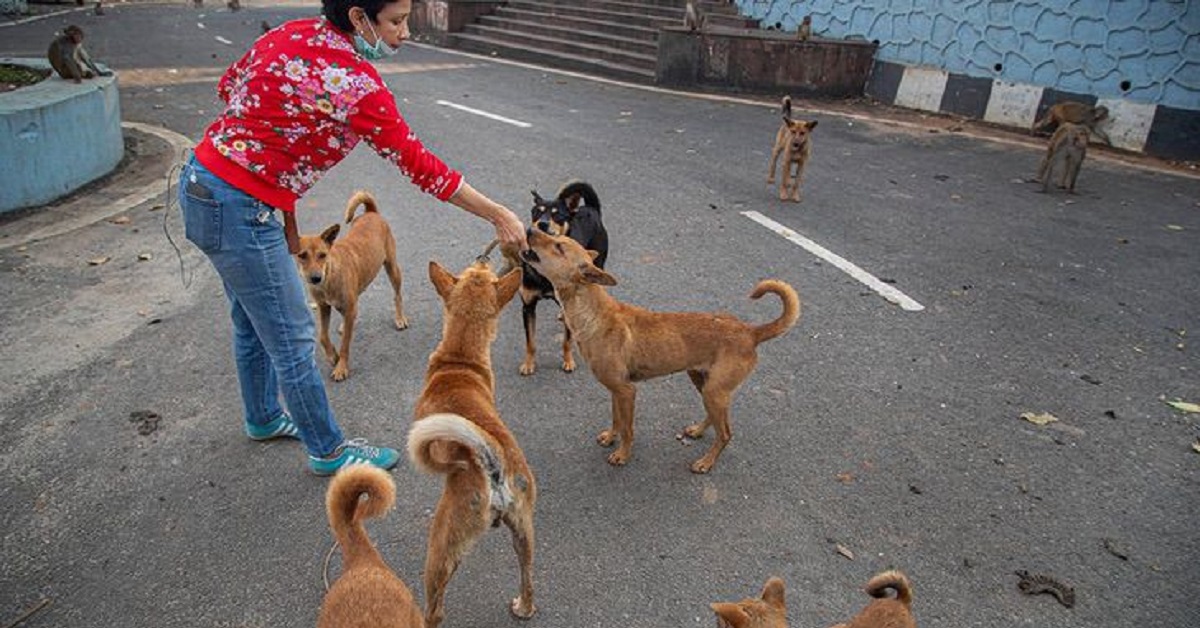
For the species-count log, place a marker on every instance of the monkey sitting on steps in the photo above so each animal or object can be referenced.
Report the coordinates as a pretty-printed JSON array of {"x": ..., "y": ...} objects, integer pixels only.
[
  {"x": 1066, "y": 151},
  {"x": 70, "y": 59},
  {"x": 693, "y": 18}
]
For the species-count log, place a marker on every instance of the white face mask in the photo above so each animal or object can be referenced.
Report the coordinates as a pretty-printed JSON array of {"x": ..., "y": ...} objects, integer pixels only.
[{"x": 380, "y": 50}]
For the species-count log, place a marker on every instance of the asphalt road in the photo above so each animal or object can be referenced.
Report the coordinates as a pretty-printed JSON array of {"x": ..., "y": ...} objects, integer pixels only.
[{"x": 893, "y": 434}]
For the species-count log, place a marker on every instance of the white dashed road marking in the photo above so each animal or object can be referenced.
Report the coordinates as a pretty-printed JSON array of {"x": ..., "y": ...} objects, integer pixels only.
[
  {"x": 499, "y": 118},
  {"x": 886, "y": 291}
]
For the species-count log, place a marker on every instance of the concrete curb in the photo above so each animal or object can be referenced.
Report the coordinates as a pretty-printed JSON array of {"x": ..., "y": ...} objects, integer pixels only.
[
  {"x": 80, "y": 215},
  {"x": 34, "y": 18}
]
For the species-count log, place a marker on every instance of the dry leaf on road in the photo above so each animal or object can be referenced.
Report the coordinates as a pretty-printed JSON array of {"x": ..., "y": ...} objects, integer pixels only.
[
  {"x": 1184, "y": 406},
  {"x": 844, "y": 551},
  {"x": 96, "y": 261},
  {"x": 1039, "y": 419}
]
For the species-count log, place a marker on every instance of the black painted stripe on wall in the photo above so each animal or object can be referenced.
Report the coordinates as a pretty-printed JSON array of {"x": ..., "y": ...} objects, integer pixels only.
[
  {"x": 966, "y": 95},
  {"x": 1174, "y": 134},
  {"x": 884, "y": 82}
]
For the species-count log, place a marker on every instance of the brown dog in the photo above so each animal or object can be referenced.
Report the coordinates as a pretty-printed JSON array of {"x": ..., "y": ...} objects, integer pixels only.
[
  {"x": 337, "y": 272},
  {"x": 458, "y": 433},
  {"x": 793, "y": 142},
  {"x": 624, "y": 344},
  {"x": 768, "y": 610},
  {"x": 884, "y": 611},
  {"x": 367, "y": 594}
]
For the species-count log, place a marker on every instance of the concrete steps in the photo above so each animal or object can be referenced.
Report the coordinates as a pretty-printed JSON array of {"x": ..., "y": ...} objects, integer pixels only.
[{"x": 615, "y": 38}]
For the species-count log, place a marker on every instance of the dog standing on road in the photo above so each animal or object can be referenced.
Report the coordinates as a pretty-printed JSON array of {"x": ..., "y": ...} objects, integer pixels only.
[
  {"x": 885, "y": 611},
  {"x": 338, "y": 271},
  {"x": 793, "y": 142},
  {"x": 458, "y": 433},
  {"x": 575, "y": 213},
  {"x": 368, "y": 594},
  {"x": 624, "y": 344}
]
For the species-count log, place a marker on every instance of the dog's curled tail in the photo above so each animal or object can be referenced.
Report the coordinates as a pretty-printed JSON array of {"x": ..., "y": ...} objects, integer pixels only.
[
  {"x": 361, "y": 197},
  {"x": 584, "y": 190},
  {"x": 785, "y": 107},
  {"x": 878, "y": 586},
  {"x": 791, "y": 309},
  {"x": 472, "y": 443},
  {"x": 347, "y": 510}
]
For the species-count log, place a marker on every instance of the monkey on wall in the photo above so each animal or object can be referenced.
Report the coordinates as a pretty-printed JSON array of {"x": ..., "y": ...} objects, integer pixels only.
[
  {"x": 70, "y": 59},
  {"x": 1075, "y": 113},
  {"x": 804, "y": 31}
]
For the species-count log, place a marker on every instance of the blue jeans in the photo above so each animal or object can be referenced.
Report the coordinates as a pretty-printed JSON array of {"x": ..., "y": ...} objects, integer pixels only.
[{"x": 273, "y": 341}]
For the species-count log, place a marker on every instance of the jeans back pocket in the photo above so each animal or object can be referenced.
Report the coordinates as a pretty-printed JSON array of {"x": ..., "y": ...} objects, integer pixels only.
[{"x": 201, "y": 213}]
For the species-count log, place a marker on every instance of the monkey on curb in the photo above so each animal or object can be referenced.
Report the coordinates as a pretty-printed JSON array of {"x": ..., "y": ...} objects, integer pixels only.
[
  {"x": 1068, "y": 147},
  {"x": 693, "y": 18},
  {"x": 70, "y": 59},
  {"x": 804, "y": 32},
  {"x": 1075, "y": 113}
]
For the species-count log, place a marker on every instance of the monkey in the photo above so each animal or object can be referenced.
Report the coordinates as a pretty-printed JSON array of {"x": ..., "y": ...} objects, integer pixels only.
[
  {"x": 1075, "y": 113},
  {"x": 99, "y": 8},
  {"x": 805, "y": 29},
  {"x": 70, "y": 59},
  {"x": 693, "y": 18},
  {"x": 234, "y": 5},
  {"x": 1067, "y": 148}
]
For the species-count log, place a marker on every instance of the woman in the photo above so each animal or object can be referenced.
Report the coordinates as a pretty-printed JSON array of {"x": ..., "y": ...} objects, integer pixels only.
[{"x": 296, "y": 104}]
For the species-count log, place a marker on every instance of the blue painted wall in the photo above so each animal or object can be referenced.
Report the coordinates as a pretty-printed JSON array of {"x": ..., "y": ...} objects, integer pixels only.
[
  {"x": 1144, "y": 50},
  {"x": 52, "y": 123}
]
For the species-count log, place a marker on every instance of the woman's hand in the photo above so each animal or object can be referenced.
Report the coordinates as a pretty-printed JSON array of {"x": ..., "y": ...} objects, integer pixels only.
[{"x": 509, "y": 229}]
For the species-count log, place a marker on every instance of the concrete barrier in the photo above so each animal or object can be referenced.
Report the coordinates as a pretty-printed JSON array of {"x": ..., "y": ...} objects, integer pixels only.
[{"x": 56, "y": 136}]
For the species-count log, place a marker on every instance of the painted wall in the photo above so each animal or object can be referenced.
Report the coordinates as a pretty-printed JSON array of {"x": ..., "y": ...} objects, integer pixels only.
[
  {"x": 1142, "y": 50},
  {"x": 20, "y": 7},
  {"x": 52, "y": 123}
]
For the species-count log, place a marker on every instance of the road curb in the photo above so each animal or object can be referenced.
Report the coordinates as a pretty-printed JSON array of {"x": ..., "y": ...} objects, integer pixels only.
[{"x": 135, "y": 197}]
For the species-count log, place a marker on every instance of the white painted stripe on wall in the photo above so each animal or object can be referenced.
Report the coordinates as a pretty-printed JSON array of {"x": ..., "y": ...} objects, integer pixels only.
[
  {"x": 886, "y": 291},
  {"x": 1013, "y": 104},
  {"x": 922, "y": 88},
  {"x": 1128, "y": 123},
  {"x": 480, "y": 112}
]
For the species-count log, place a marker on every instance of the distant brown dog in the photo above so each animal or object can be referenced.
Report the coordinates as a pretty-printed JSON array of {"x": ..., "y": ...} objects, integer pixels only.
[
  {"x": 624, "y": 344},
  {"x": 458, "y": 433},
  {"x": 368, "y": 594},
  {"x": 793, "y": 143},
  {"x": 337, "y": 272},
  {"x": 884, "y": 611},
  {"x": 768, "y": 610}
]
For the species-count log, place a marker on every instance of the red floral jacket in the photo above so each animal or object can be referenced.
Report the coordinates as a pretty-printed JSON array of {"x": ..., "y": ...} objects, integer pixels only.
[{"x": 296, "y": 104}]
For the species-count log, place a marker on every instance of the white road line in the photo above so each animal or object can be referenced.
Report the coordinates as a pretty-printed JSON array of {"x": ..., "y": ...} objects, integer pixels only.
[
  {"x": 523, "y": 125},
  {"x": 867, "y": 279}
]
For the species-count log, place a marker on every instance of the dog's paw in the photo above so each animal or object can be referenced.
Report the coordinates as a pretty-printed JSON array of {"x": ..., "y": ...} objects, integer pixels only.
[
  {"x": 521, "y": 610},
  {"x": 528, "y": 368},
  {"x": 401, "y": 322},
  {"x": 703, "y": 465},
  {"x": 770, "y": 180},
  {"x": 694, "y": 431},
  {"x": 618, "y": 458},
  {"x": 568, "y": 366},
  {"x": 606, "y": 438},
  {"x": 341, "y": 372}
]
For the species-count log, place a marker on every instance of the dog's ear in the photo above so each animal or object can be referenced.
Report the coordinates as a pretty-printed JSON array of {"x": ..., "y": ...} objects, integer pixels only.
[
  {"x": 730, "y": 613},
  {"x": 812, "y": 124},
  {"x": 573, "y": 201},
  {"x": 442, "y": 279},
  {"x": 537, "y": 198},
  {"x": 772, "y": 593},
  {"x": 507, "y": 286},
  {"x": 331, "y": 233},
  {"x": 591, "y": 274}
]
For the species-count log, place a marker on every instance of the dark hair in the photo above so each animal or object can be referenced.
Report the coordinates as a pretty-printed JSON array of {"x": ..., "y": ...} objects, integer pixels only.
[{"x": 338, "y": 11}]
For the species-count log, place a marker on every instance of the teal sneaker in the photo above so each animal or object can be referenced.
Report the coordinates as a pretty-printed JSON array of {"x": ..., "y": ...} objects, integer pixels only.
[
  {"x": 354, "y": 451},
  {"x": 281, "y": 427}
]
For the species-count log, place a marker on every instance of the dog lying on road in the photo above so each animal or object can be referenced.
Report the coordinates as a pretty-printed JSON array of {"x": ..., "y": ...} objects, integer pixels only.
[
  {"x": 458, "y": 433},
  {"x": 338, "y": 271},
  {"x": 768, "y": 610},
  {"x": 368, "y": 594},
  {"x": 624, "y": 344},
  {"x": 793, "y": 142}
]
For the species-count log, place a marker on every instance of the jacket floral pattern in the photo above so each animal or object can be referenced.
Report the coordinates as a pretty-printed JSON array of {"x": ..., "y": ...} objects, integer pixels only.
[{"x": 296, "y": 104}]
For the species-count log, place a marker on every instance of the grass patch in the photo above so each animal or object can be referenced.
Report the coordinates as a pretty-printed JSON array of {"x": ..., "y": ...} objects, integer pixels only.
[{"x": 15, "y": 76}]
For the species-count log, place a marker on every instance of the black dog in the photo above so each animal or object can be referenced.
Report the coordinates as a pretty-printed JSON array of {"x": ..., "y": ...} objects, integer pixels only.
[{"x": 575, "y": 212}]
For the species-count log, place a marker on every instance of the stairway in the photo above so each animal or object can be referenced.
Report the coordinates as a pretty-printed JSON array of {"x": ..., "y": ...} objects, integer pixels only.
[{"x": 614, "y": 38}]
